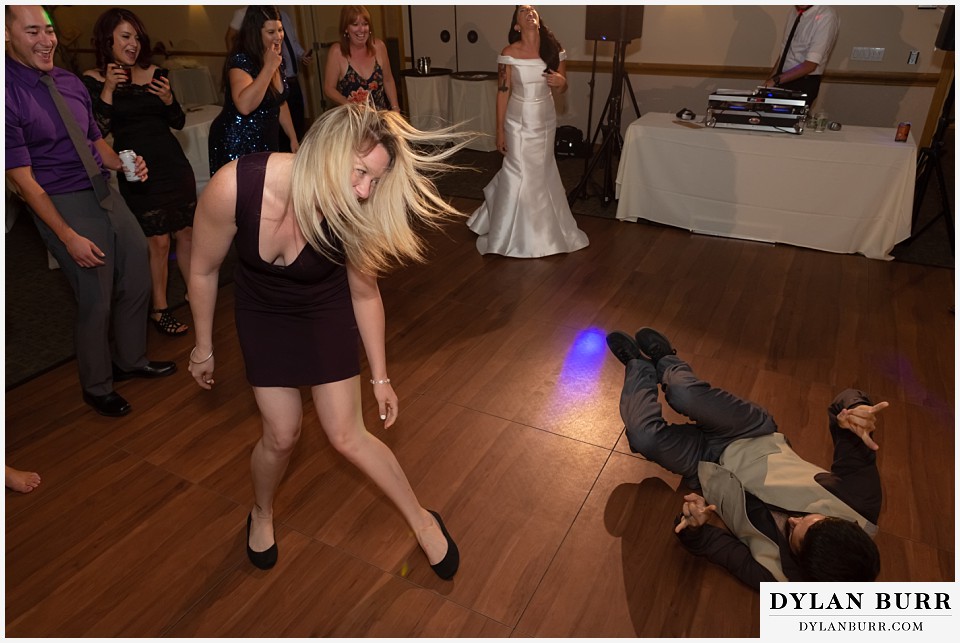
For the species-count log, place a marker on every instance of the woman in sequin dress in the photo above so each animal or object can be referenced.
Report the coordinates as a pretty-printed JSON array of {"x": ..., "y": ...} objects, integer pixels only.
[
  {"x": 139, "y": 111},
  {"x": 255, "y": 92},
  {"x": 359, "y": 68}
]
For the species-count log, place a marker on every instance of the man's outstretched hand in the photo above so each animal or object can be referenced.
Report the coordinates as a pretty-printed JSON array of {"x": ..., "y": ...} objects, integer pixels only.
[
  {"x": 695, "y": 512},
  {"x": 862, "y": 420}
]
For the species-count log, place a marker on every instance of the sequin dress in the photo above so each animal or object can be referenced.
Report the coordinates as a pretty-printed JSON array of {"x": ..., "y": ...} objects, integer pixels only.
[
  {"x": 295, "y": 323},
  {"x": 139, "y": 121},
  {"x": 355, "y": 89},
  {"x": 232, "y": 134}
]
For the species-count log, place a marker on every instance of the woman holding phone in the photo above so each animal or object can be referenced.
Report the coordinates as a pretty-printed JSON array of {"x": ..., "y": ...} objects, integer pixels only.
[{"x": 133, "y": 101}]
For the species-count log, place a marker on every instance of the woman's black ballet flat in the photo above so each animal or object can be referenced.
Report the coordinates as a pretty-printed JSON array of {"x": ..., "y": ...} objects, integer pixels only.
[
  {"x": 261, "y": 559},
  {"x": 447, "y": 567}
]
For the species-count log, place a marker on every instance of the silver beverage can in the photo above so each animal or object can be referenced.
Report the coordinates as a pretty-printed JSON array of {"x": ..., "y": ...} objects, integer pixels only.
[{"x": 129, "y": 160}]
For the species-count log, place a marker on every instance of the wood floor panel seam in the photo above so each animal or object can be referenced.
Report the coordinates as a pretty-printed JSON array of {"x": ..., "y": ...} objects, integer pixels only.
[
  {"x": 528, "y": 426},
  {"x": 556, "y": 552}
]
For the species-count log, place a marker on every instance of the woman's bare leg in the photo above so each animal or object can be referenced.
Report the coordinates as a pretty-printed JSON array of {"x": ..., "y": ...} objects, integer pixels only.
[
  {"x": 281, "y": 411},
  {"x": 184, "y": 239},
  {"x": 338, "y": 406},
  {"x": 158, "y": 250}
]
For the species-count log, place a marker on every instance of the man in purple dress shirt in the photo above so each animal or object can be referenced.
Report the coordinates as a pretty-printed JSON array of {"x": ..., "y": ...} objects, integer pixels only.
[{"x": 97, "y": 241}]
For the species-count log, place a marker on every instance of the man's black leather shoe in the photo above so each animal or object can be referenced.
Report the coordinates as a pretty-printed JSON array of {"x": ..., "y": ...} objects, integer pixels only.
[
  {"x": 111, "y": 404},
  {"x": 151, "y": 370}
]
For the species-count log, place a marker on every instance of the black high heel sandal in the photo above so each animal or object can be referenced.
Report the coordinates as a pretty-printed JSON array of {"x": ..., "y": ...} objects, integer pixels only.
[
  {"x": 447, "y": 567},
  {"x": 168, "y": 324}
]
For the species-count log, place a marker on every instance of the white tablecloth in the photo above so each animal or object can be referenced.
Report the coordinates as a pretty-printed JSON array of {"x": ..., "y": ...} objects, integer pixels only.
[
  {"x": 428, "y": 99},
  {"x": 193, "y": 139},
  {"x": 849, "y": 191},
  {"x": 194, "y": 86},
  {"x": 473, "y": 106}
]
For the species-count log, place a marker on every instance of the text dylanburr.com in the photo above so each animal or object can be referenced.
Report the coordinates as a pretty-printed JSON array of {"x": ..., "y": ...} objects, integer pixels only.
[{"x": 853, "y": 610}]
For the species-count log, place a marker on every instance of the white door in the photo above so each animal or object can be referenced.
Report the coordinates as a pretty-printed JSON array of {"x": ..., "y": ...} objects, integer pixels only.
[
  {"x": 481, "y": 35},
  {"x": 461, "y": 38},
  {"x": 434, "y": 35}
]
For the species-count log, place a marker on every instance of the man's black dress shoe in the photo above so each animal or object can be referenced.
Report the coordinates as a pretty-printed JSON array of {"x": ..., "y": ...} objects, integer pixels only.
[
  {"x": 261, "y": 559},
  {"x": 111, "y": 404},
  {"x": 447, "y": 567},
  {"x": 151, "y": 370}
]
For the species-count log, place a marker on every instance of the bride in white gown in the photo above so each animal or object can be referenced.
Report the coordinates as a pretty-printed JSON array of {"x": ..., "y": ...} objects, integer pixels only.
[{"x": 525, "y": 211}]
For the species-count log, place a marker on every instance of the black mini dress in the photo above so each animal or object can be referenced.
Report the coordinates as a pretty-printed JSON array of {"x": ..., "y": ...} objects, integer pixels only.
[{"x": 295, "y": 323}]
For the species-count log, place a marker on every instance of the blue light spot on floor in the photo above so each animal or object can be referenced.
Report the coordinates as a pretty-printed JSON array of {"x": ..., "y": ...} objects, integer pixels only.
[{"x": 580, "y": 375}]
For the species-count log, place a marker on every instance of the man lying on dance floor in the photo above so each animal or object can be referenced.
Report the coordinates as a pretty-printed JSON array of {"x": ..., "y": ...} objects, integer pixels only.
[{"x": 787, "y": 518}]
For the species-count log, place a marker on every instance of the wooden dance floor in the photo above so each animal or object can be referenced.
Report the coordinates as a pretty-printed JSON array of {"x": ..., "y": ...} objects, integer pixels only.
[{"x": 509, "y": 426}]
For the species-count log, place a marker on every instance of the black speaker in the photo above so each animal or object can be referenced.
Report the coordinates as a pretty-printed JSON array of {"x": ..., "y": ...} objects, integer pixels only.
[
  {"x": 621, "y": 23},
  {"x": 945, "y": 36}
]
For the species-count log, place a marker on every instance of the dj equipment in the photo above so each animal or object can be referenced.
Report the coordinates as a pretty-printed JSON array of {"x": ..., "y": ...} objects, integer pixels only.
[{"x": 765, "y": 109}]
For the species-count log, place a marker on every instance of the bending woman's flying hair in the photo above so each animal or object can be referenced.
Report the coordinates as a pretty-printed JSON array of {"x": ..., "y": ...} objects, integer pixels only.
[{"x": 381, "y": 231}]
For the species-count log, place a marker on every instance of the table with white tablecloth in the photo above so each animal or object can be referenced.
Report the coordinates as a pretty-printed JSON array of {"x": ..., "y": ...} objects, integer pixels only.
[
  {"x": 847, "y": 191},
  {"x": 194, "y": 140},
  {"x": 473, "y": 107},
  {"x": 428, "y": 97}
]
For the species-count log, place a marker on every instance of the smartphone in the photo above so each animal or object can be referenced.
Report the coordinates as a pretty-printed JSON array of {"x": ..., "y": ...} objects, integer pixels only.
[{"x": 160, "y": 72}]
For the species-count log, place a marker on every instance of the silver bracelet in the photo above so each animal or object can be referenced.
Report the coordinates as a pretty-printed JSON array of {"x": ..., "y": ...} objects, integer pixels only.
[
  {"x": 386, "y": 381},
  {"x": 193, "y": 361}
]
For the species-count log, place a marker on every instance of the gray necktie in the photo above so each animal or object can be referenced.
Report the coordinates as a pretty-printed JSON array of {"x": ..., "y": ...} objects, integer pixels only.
[{"x": 79, "y": 140}]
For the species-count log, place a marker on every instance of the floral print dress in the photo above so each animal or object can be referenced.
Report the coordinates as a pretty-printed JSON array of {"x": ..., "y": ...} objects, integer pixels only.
[{"x": 356, "y": 89}]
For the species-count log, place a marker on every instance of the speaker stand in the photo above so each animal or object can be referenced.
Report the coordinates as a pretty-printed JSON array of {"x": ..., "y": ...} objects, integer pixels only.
[
  {"x": 612, "y": 143},
  {"x": 929, "y": 160}
]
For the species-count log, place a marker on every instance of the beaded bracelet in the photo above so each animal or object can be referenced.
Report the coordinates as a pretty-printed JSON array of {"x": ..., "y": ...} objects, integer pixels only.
[
  {"x": 193, "y": 361},
  {"x": 386, "y": 381}
]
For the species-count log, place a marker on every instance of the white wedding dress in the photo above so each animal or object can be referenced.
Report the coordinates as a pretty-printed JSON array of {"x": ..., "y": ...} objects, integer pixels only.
[{"x": 525, "y": 211}]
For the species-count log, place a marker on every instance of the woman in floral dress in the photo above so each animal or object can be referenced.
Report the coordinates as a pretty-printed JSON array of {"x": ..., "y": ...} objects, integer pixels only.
[{"x": 359, "y": 69}]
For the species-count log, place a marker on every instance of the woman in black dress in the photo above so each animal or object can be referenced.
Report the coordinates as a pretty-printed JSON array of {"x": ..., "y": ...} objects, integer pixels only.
[
  {"x": 255, "y": 92},
  {"x": 312, "y": 232},
  {"x": 139, "y": 109}
]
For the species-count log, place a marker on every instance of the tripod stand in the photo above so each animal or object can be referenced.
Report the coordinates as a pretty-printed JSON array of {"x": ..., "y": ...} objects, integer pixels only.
[
  {"x": 929, "y": 161},
  {"x": 612, "y": 139}
]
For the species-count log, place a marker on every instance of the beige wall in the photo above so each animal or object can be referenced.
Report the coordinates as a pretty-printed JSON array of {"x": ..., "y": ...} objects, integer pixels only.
[
  {"x": 750, "y": 35},
  {"x": 713, "y": 36}
]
